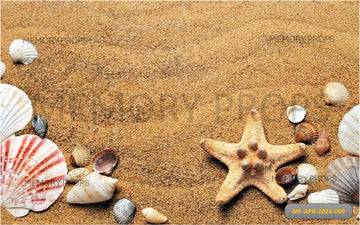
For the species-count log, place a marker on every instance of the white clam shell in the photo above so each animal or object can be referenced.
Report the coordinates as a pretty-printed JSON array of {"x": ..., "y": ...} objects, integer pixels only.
[
  {"x": 306, "y": 173},
  {"x": 124, "y": 211},
  {"x": 349, "y": 131},
  {"x": 22, "y": 51},
  {"x": 295, "y": 113},
  {"x": 336, "y": 94},
  {"x": 92, "y": 189},
  {"x": 15, "y": 110},
  {"x": 29, "y": 165},
  {"x": 2, "y": 69},
  {"x": 298, "y": 192},
  {"x": 77, "y": 174},
  {"x": 325, "y": 196},
  {"x": 153, "y": 216}
]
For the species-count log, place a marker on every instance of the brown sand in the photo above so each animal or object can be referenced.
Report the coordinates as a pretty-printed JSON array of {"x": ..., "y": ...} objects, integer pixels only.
[{"x": 97, "y": 93}]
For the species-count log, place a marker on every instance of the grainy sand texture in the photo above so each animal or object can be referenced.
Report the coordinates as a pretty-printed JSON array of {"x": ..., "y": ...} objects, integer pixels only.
[{"x": 151, "y": 79}]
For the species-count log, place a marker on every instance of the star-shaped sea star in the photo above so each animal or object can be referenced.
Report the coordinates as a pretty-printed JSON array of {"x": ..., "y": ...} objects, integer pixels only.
[{"x": 252, "y": 161}]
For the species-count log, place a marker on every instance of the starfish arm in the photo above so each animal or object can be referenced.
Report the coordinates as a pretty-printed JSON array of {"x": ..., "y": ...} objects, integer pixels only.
[
  {"x": 225, "y": 152},
  {"x": 254, "y": 130},
  {"x": 272, "y": 190},
  {"x": 232, "y": 185},
  {"x": 281, "y": 154}
]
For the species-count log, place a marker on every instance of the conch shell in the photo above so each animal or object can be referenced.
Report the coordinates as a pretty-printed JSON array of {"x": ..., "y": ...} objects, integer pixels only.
[{"x": 322, "y": 145}]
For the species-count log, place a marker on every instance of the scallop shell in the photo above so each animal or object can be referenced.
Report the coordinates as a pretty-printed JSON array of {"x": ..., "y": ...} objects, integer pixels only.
[
  {"x": 105, "y": 161},
  {"x": 349, "y": 131},
  {"x": 344, "y": 174},
  {"x": 298, "y": 192},
  {"x": 32, "y": 174},
  {"x": 306, "y": 132},
  {"x": 15, "y": 110},
  {"x": 40, "y": 125},
  {"x": 336, "y": 94},
  {"x": 77, "y": 174},
  {"x": 306, "y": 173},
  {"x": 153, "y": 216},
  {"x": 295, "y": 113},
  {"x": 22, "y": 51},
  {"x": 124, "y": 211},
  {"x": 92, "y": 189},
  {"x": 325, "y": 196},
  {"x": 322, "y": 145},
  {"x": 285, "y": 175},
  {"x": 80, "y": 156},
  {"x": 2, "y": 69}
]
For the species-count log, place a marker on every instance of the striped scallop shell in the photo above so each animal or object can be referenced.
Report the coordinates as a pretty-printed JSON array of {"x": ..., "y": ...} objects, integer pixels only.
[
  {"x": 32, "y": 174},
  {"x": 124, "y": 211},
  {"x": 325, "y": 196},
  {"x": 15, "y": 110},
  {"x": 2, "y": 69},
  {"x": 349, "y": 131},
  {"x": 22, "y": 51},
  {"x": 336, "y": 94}
]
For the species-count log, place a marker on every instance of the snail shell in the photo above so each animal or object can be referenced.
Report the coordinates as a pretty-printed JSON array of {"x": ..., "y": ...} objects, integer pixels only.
[
  {"x": 285, "y": 175},
  {"x": 306, "y": 132},
  {"x": 105, "y": 161},
  {"x": 336, "y": 94},
  {"x": 124, "y": 211},
  {"x": 322, "y": 145},
  {"x": 40, "y": 125},
  {"x": 153, "y": 216},
  {"x": 22, "y": 51},
  {"x": 298, "y": 192},
  {"x": 307, "y": 173},
  {"x": 77, "y": 174},
  {"x": 80, "y": 156}
]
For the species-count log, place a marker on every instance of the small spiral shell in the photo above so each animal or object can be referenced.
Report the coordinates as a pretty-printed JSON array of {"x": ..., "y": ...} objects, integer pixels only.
[
  {"x": 153, "y": 216},
  {"x": 40, "y": 125}
]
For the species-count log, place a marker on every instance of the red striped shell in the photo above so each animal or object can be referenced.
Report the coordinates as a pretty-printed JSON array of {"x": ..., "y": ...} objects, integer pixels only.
[{"x": 32, "y": 174}]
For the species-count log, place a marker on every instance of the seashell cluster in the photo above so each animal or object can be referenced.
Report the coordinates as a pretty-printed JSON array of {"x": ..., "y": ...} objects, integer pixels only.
[
  {"x": 306, "y": 132},
  {"x": 22, "y": 51},
  {"x": 15, "y": 110},
  {"x": 105, "y": 161},
  {"x": 124, "y": 211},
  {"x": 298, "y": 192},
  {"x": 2, "y": 69},
  {"x": 40, "y": 125},
  {"x": 336, "y": 94},
  {"x": 153, "y": 216},
  {"x": 285, "y": 175},
  {"x": 307, "y": 173},
  {"x": 344, "y": 174},
  {"x": 296, "y": 113},
  {"x": 77, "y": 174},
  {"x": 325, "y": 196},
  {"x": 92, "y": 188},
  {"x": 29, "y": 164},
  {"x": 80, "y": 156},
  {"x": 322, "y": 145},
  {"x": 349, "y": 131}
]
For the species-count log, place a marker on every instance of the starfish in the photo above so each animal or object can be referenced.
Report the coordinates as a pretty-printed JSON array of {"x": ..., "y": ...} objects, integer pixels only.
[{"x": 252, "y": 161}]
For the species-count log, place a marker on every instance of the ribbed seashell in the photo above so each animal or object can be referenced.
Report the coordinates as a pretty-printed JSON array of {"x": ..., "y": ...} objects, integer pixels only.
[
  {"x": 92, "y": 189},
  {"x": 298, "y": 192},
  {"x": 15, "y": 110},
  {"x": 105, "y": 161},
  {"x": 322, "y": 144},
  {"x": 2, "y": 69},
  {"x": 80, "y": 156},
  {"x": 285, "y": 175},
  {"x": 336, "y": 94},
  {"x": 77, "y": 174},
  {"x": 349, "y": 131},
  {"x": 325, "y": 196},
  {"x": 40, "y": 125},
  {"x": 124, "y": 211},
  {"x": 295, "y": 113},
  {"x": 306, "y": 132},
  {"x": 22, "y": 51},
  {"x": 29, "y": 165},
  {"x": 307, "y": 173},
  {"x": 344, "y": 174},
  {"x": 153, "y": 216}
]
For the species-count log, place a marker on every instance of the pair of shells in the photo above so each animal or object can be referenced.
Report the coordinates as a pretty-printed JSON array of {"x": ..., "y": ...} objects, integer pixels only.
[
  {"x": 336, "y": 94},
  {"x": 40, "y": 125},
  {"x": 2, "y": 69},
  {"x": 22, "y": 51},
  {"x": 124, "y": 211},
  {"x": 349, "y": 131},
  {"x": 306, "y": 173},
  {"x": 325, "y": 196}
]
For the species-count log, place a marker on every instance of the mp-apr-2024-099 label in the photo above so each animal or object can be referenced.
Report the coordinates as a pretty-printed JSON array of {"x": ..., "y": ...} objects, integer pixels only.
[{"x": 318, "y": 211}]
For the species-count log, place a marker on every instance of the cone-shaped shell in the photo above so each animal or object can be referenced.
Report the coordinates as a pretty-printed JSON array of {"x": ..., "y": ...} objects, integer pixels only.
[
  {"x": 295, "y": 113},
  {"x": 80, "y": 156},
  {"x": 298, "y": 192},
  {"x": 77, "y": 174},
  {"x": 306, "y": 173},
  {"x": 124, "y": 211},
  {"x": 349, "y": 131},
  {"x": 325, "y": 196},
  {"x": 306, "y": 132},
  {"x": 22, "y": 51},
  {"x": 344, "y": 178},
  {"x": 285, "y": 175},
  {"x": 336, "y": 94},
  {"x": 15, "y": 110},
  {"x": 322, "y": 145},
  {"x": 2, "y": 69},
  {"x": 105, "y": 161},
  {"x": 40, "y": 125},
  {"x": 153, "y": 216}
]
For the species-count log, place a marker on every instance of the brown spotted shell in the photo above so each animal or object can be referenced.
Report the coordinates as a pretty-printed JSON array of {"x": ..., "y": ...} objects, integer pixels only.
[
  {"x": 285, "y": 175},
  {"x": 322, "y": 145},
  {"x": 105, "y": 161},
  {"x": 80, "y": 156},
  {"x": 306, "y": 132}
]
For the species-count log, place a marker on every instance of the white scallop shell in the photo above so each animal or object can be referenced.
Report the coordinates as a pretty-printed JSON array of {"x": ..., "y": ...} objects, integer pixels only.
[
  {"x": 15, "y": 110},
  {"x": 124, "y": 211},
  {"x": 336, "y": 94},
  {"x": 344, "y": 178},
  {"x": 325, "y": 196},
  {"x": 92, "y": 189},
  {"x": 295, "y": 113},
  {"x": 153, "y": 216},
  {"x": 22, "y": 51},
  {"x": 298, "y": 192},
  {"x": 2, "y": 69},
  {"x": 77, "y": 174},
  {"x": 32, "y": 174},
  {"x": 349, "y": 131},
  {"x": 306, "y": 173}
]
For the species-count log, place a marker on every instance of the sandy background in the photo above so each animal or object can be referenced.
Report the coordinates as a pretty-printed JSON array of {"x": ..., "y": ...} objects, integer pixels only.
[{"x": 146, "y": 83}]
